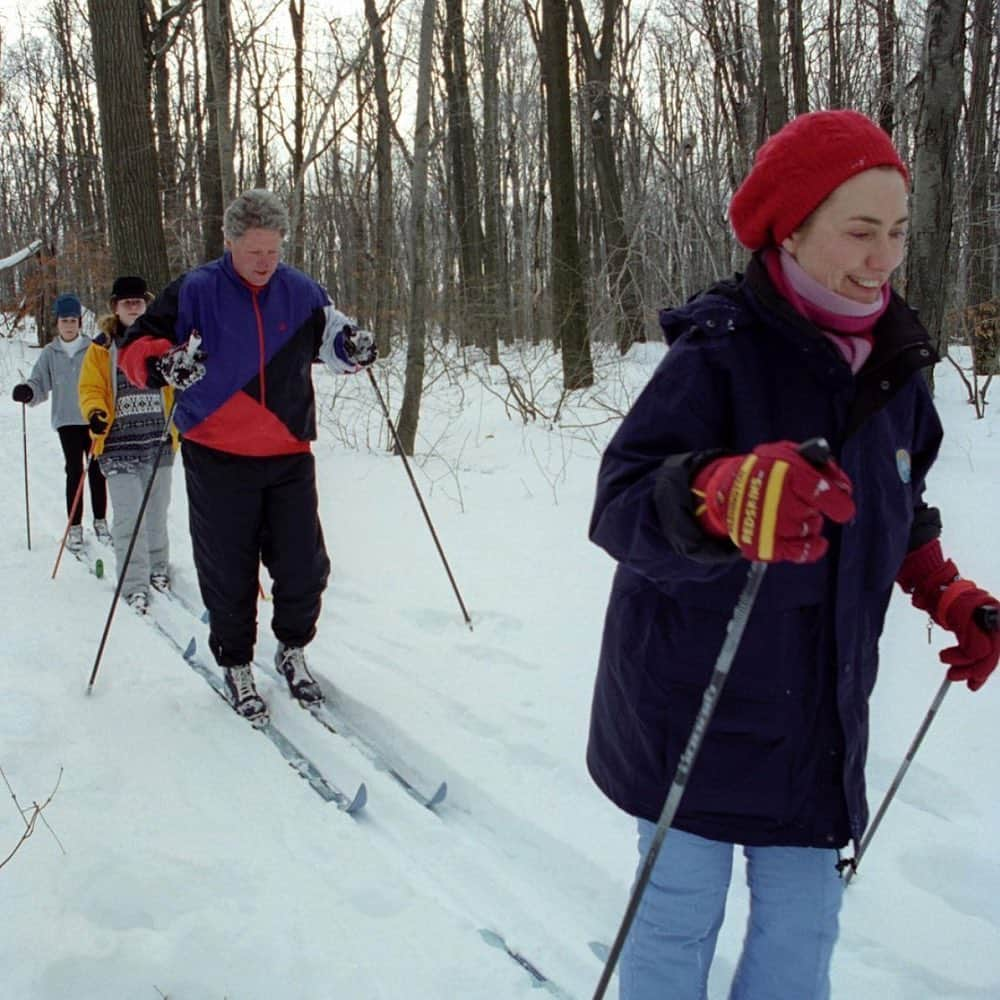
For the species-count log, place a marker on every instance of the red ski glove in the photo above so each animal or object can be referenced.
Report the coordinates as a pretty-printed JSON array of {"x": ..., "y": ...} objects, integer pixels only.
[
  {"x": 772, "y": 502},
  {"x": 935, "y": 586}
]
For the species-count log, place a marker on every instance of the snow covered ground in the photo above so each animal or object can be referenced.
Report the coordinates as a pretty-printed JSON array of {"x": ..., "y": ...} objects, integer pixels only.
[{"x": 181, "y": 857}]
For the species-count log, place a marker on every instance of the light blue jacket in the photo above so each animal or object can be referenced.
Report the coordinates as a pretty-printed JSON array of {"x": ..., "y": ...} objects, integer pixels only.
[{"x": 57, "y": 374}]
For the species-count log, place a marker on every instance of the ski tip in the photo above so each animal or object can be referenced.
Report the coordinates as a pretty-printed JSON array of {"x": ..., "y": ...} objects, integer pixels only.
[
  {"x": 358, "y": 802},
  {"x": 189, "y": 649},
  {"x": 495, "y": 940},
  {"x": 492, "y": 938},
  {"x": 439, "y": 796},
  {"x": 599, "y": 949}
]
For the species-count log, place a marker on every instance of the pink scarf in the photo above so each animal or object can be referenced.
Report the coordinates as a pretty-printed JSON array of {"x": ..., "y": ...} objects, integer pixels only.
[{"x": 846, "y": 323}]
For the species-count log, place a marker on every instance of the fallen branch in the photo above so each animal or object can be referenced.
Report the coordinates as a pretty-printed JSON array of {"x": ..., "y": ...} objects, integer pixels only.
[{"x": 31, "y": 820}]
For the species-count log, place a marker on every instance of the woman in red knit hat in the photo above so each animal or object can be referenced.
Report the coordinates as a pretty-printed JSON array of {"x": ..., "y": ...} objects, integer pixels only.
[{"x": 704, "y": 477}]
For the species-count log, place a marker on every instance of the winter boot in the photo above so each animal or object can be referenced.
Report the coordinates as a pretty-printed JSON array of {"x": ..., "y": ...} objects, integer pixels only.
[
  {"x": 74, "y": 540},
  {"x": 244, "y": 697},
  {"x": 160, "y": 581},
  {"x": 101, "y": 531},
  {"x": 138, "y": 601},
  {"x": 291, "y": 664}
]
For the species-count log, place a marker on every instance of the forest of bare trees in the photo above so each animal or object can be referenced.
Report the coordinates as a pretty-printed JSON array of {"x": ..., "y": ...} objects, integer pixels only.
[{"x": 503, "y": 171}]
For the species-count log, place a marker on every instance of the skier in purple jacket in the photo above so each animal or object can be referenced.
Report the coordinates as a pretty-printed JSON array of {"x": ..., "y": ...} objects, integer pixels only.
[{"x": 702, "y": 477}]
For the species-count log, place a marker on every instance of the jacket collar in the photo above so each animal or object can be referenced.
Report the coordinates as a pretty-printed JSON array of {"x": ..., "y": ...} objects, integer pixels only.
[{"x": 901, "y": 342}]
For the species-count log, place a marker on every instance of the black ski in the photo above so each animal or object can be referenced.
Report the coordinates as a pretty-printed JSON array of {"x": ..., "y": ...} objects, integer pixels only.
[
  {"x": 331, "y": 719},
  {"x": 296, "y": 759},
  {"x": 328, "y": 717},
  {"x": 538, "y": 977}
]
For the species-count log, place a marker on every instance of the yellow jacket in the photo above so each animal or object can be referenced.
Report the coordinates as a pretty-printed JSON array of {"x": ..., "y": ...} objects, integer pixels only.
[{"x": 98, "y": 382}]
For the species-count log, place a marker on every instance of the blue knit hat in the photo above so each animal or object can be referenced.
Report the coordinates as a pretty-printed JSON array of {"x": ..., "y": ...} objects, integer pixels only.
[{"x": 67, "y": 307}]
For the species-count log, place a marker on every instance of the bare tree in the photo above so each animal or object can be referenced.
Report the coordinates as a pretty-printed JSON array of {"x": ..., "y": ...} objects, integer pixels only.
[
  {"x": 770, "y": 64},
  {"x": 568, "y": 302},
  {"x": 382, "y": 311},
  {"x": 886, "y": 97},
  {"x": 464, "y": 179},
  {"x": 797, "y": 53},
  {"x": 218, "y": 36},
  {"x": 131, "y": 175},
  {"x": 834, "y": 28},
  {"x": 981, "y": 170},
  {"x": 216, "y": 175},
  {"x": 930, "y": 245},
  {"x": 161, "y": 33},
  {"x": 598, "y": 63},
  {"x": 413, "y": 385}
]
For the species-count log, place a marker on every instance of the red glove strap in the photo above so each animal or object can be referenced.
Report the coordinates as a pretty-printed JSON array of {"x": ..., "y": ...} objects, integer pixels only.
[{"x": 948, "y": 597}]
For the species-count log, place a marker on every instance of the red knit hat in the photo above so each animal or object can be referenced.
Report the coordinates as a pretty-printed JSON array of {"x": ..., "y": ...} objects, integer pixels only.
[{"x": 799, "y": 166}]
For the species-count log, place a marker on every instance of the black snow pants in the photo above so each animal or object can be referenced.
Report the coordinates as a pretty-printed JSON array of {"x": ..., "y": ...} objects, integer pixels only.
[
  {"x": 75, "y": 441},
  {"x": 244, "y": 511}
]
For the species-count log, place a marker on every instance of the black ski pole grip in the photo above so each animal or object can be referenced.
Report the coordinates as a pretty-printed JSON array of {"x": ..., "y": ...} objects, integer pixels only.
[
  {"x": 816, "y": 451},
  {"x": 987, "y": 617}
]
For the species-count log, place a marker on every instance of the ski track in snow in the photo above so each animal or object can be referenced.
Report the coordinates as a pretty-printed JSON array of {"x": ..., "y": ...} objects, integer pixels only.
[{"x": 513, "y": 890}]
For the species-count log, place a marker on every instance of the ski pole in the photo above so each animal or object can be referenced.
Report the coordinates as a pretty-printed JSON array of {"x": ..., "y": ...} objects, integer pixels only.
[
  {"x": 988, "y": 619},
  {"x": 27, "y": 505},
  {"x": 72, "y": 510},
  {"x": 817, "y": 451},
  {"x": 420, "y": 499},
  {"x": 165, "y": 437}
]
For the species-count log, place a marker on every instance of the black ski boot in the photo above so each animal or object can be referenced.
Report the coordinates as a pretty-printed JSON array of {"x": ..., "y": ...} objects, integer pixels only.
[
  {"x": 291, "y": 664},
  {"x": 244, "y": 697}
]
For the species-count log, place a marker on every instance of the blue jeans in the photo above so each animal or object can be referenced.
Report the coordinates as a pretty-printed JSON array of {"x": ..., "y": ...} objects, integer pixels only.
[{"x": 795, "y": 896}]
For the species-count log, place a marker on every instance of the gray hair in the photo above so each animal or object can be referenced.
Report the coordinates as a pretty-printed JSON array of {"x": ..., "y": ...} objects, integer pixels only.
[{"x": 256, "y": 209}]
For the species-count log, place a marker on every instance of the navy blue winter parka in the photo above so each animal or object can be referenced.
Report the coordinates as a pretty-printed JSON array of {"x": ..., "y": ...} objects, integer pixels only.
[{"x": 783, "y": 760}]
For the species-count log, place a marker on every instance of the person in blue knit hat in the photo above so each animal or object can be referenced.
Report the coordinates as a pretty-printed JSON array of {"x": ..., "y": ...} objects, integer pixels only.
[{"x": 57, "y": 373}]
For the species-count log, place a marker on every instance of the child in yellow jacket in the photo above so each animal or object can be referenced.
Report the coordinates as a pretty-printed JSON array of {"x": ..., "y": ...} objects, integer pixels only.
[{"x": 127, "y": 425}]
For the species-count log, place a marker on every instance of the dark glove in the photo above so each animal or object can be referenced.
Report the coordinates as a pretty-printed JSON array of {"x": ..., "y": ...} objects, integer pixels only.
[
  {"x": 179, "y": 367},
  {"x": 935, "y": 586},
  {"x": 22, "y": 393},
  {"x": 98, "y": 421},
  {"x": 772, "y": 502},
  {"x": 355, "y": 347}
]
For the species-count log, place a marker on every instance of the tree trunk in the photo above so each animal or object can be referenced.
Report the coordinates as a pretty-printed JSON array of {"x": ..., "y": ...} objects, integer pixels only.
[
  {"x": 218, "y": 34},
  {"x": 138, "y": 244},
  {"x": 929, "y": 256},
  {"x": 797, "y": 53},
  {"x": 626, "y": 298},
  {"x": 568, "y": 302},
  {"x": 495, "y": 295},
  {"x": 770, "y": 64},
  {"x": 413, "y": 386},
  {"x": 833, "y": 28},
  {"x": 384, "y": 221},
  {"x": 213, "y": 202},
  {"x": 979, "y": 290},
  {"x": 465, "y": 180},
  {"x": 298, "y": 201},
  {"x": 886, "y": 12}
]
